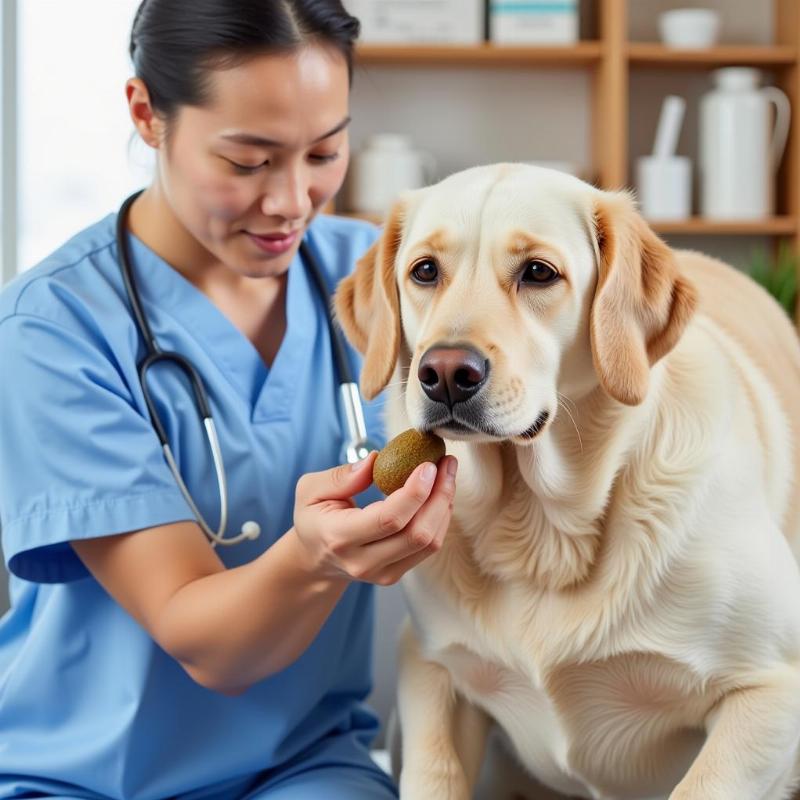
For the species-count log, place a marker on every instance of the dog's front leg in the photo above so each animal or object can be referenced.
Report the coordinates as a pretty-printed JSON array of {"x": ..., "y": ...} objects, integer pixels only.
[
  {"x": 428, "y": 706},
  {"x": 751, "y": 750}
]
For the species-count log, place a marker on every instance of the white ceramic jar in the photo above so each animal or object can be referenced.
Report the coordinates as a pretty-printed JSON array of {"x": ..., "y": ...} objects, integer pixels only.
[
  {"x": 383, "y": 168},
  {"x": 740, "y": 145}
]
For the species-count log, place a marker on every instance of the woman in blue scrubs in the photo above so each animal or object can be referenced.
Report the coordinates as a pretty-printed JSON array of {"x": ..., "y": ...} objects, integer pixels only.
[{"x": 137, "y": 661}]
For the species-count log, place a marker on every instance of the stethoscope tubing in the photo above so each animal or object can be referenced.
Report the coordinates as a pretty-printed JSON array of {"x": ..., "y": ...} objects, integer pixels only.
[{"x": 357, "y": 445}]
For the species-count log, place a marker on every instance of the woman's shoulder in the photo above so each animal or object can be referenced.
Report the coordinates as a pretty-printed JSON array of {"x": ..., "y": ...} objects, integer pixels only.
[
  {"x": 341, "y": 241},
  {"x": 76, "y": 271},
  {"x": 349, "y": 228}
]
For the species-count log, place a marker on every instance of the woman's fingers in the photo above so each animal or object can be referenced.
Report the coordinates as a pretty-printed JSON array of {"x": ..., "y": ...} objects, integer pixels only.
[
  {"x": 385, "y": 518},
  {"x": 425, "y": 531},
  {"x": 338, "y": 483},
  {"x": 376, "y": 543},
  {"x": 392, "y": 574}
]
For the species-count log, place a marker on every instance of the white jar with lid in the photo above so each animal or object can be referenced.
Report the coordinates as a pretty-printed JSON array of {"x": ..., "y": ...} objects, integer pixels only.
[{"x": 383, "y": 168}]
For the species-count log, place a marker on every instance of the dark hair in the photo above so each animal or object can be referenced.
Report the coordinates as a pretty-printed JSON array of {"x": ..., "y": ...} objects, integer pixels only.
[{"x": 175, "y": 43}]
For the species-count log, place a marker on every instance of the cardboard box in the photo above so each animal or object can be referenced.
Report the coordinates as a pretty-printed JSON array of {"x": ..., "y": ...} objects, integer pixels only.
[{"x": 418, "y": 21}]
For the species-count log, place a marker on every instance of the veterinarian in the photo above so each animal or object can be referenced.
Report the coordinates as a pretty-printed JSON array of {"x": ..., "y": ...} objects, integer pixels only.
[{"x": 142, "y": 658}]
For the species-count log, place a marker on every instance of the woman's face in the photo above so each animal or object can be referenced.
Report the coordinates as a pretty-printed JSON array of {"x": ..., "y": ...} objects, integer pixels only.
[{"x": 246, "y": 173}]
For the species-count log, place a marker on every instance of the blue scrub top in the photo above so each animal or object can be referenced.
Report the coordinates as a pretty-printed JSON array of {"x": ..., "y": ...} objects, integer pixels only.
[{"x": 87, "y": 700}]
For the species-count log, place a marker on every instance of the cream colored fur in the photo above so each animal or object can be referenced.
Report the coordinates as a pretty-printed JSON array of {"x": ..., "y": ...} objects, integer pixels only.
[{"x": 619, "y": 594}]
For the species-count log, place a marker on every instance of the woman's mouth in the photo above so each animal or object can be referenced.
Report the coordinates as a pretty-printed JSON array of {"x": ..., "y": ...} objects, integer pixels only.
[{"x": 274, "y": 243}]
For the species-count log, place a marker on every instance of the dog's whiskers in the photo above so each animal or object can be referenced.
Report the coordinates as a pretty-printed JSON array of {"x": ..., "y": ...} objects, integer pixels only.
[
  {"x": 562, "y": 401},
  {"x": 567, "y": 400}
]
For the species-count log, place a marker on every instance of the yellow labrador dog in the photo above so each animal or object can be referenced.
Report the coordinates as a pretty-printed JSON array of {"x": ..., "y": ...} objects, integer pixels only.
[{"x": 619, "y": 590}]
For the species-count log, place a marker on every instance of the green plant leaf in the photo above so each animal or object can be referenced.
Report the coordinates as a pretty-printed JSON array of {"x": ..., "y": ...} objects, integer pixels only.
[{"x": 778, "y": 274}]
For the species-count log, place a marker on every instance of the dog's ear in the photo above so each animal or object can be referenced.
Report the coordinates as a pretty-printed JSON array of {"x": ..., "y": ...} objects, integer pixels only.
[
  {"x": 368, "y": 307},
  {"x": 642, "y": 303}
]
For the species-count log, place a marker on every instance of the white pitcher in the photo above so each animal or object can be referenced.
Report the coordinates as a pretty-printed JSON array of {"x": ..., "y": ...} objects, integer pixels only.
[
  {"x": 385, "y": 166},
  {"x": 740, "y": 146}
]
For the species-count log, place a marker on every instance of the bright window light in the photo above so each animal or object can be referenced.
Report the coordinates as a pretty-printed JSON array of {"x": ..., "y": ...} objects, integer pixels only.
[{"x": 77, "y": 157}]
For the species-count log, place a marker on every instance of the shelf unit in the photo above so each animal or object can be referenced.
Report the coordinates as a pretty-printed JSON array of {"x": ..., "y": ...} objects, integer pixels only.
[
  {"x": 610, "y": 58},
  {"x": 481, "y": 55}
]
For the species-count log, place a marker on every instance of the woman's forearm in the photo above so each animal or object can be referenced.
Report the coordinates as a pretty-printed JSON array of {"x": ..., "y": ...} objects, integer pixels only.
[{"x": 235, "y": 627}]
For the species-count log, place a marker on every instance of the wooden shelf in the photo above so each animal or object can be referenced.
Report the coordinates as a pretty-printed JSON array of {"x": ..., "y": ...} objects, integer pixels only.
[
  {"x": 655, "y": 55},
  {"x": 774, "y": 226},
  {"x": 582, "y": 54},
  {"x": 479, "y": 55}
]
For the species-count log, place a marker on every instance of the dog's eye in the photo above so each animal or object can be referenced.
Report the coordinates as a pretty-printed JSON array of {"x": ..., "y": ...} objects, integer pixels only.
[
  {"x": 425, "y": 271},
  {"x": 539, "y": 273}
]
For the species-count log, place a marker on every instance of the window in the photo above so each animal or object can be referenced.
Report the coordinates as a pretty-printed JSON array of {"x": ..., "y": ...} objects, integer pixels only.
[
  {"x": 8, "y": 141},
  {"x": 77, "y": 155}
]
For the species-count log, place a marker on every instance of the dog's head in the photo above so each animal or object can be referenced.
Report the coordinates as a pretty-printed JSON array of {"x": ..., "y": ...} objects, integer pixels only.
[{"x": 503, "y": 286}]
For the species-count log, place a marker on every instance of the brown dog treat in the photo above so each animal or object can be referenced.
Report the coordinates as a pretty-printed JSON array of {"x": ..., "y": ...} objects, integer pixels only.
[{"x": 402, "y": 455}]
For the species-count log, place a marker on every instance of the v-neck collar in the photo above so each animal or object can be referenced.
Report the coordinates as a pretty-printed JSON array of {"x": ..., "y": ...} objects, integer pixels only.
[{"x": 268, "y": 391}]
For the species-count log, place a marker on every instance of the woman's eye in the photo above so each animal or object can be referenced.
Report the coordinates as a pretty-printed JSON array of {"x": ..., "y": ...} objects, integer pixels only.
[
  {"x": 324, "y": 158},
  {"x": 425, "y": 271},
  {"x": 244, "y": 169},
  {"x": 539, "y": 273}
]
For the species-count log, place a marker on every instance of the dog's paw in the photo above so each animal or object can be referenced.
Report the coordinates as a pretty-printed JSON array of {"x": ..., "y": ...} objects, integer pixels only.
[{"x": 444, "y": 781}]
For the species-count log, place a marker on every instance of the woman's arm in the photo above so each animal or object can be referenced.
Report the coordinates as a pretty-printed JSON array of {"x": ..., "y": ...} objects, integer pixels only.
[
  {"x": 229, "y": 628},
  {"x": 226, "y": 627}
]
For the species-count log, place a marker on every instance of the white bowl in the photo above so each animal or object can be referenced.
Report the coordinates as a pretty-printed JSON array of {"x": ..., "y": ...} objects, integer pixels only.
[{"x": 686, "y": 28}]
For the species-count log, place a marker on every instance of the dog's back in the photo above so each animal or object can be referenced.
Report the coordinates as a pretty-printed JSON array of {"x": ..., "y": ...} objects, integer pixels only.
[{"x": 749, "y": 315}]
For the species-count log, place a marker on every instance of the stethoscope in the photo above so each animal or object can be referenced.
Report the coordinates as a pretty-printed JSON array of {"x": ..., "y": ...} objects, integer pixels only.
[{"x": 356, "y": 444}]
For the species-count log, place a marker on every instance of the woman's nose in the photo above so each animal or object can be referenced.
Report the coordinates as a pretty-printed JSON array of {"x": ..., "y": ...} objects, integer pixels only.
[{"x": 287, "y": 195}]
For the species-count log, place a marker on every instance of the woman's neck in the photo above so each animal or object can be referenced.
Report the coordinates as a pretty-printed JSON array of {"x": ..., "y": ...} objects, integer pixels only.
[
  {"x": 254, "y": 305},
  {"x": 152, "y": 220}
]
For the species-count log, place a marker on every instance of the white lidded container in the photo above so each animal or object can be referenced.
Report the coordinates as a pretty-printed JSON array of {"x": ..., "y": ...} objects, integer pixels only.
[
  {"x": 386, "y": 166},
  {"x": 741, "y": 144}
]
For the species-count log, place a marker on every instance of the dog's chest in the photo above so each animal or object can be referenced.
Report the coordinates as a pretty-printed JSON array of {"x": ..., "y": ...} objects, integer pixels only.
[{"x": 603, "y": 726}]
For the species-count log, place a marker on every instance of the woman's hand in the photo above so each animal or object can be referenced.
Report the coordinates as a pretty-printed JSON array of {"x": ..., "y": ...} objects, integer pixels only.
[{"x": 381, "y": 542}]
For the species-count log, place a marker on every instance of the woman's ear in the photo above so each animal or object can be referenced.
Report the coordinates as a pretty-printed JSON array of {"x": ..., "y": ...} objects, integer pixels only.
[
  {"x": 148, "y": 124},
  {"x": 367, "y": 306},
  {"x": 642, "y": 303}
]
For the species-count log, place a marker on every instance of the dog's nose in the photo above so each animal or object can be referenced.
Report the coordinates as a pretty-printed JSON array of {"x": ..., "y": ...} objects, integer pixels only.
[{"x": 451, "y": 375}]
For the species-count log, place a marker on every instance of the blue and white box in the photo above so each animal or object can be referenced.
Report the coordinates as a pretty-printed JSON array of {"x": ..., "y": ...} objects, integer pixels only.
[{"x": 533, "y": 21}]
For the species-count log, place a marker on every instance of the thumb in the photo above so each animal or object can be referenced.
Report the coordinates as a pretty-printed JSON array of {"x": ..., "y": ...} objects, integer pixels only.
[{"x": 342, "y": 482}]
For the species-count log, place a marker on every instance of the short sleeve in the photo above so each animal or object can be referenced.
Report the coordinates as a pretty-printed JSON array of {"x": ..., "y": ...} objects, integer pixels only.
[{"x": 78, "y": 459}]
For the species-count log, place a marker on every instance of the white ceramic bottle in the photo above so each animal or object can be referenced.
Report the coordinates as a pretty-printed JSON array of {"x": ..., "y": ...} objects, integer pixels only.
[{"x": 740, "y": 146}]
